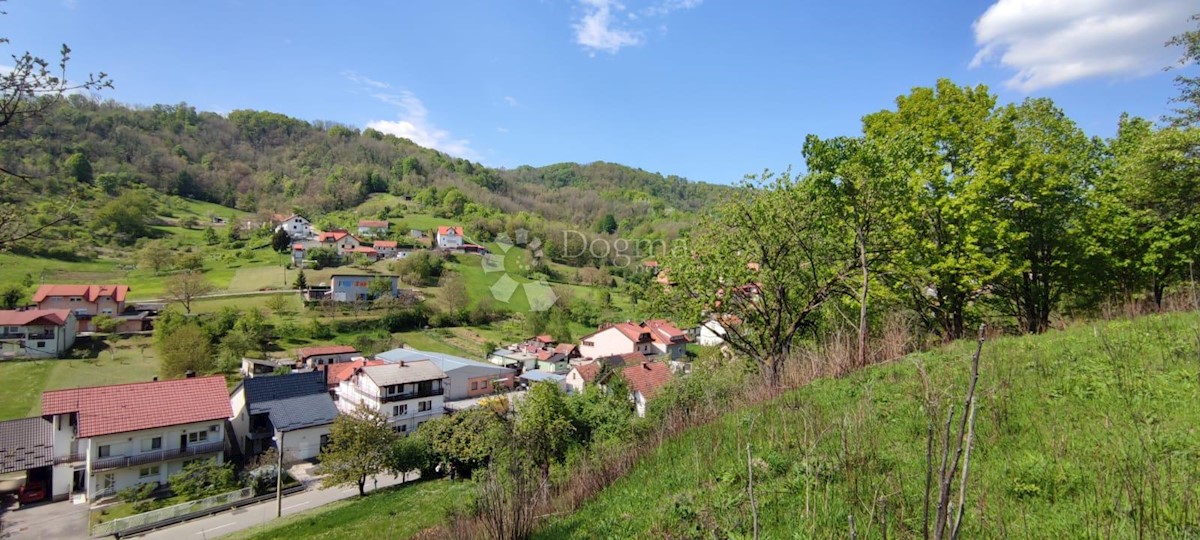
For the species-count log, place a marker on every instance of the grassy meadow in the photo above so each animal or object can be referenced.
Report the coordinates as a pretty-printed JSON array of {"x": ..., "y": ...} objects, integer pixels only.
[{"x": 1089, "y": 432}]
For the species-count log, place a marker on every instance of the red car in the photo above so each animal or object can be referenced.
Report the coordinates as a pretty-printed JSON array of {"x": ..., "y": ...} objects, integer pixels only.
[{"x": 31, "y": 492}]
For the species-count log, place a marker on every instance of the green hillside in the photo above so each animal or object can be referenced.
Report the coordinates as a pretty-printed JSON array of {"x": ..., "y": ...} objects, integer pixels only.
[{"x": 1089, "y": 432}]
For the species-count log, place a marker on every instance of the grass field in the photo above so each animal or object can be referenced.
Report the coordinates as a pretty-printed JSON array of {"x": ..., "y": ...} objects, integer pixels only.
[
  {"x": 125, "y": 361},
  {"x": 397, "y": 512},
  {"x": 1090, "y": 432}
]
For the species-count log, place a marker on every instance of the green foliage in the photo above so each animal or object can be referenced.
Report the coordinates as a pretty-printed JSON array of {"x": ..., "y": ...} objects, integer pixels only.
[
  {"x": 411, "y": 453},
  {"x": 323, "y": 257},
  {"x": 182, "y": 349},
  {"x": 380, "y": 287},
  {"x": 140, "y": 495},
  {"x": 1188, "y": 112},
  {"x": 11, "y": 297},
  {"x": 1068, "y": 424},
  {"x": 78, "y": 168},
  {"x": 210, "y": 236},
  {"x": 106, "y": 324},
  {"x": 463, "y": 441},
  {"x": 301, "y": 280},
  {"x": 202, "y": 478},
  {"x": 421, "y": 268},
  {"x": 359, "y": 444},
  {"x": 127, "y": 217},
  {"x": 280, "y": 241},
  {"x": 544, "y": 423}
]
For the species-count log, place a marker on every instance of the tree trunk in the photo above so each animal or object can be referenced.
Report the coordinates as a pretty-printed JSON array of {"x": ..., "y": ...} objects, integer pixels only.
[
  {"x": 862, "y": 302},
  {"x": 362, "y": 484}
]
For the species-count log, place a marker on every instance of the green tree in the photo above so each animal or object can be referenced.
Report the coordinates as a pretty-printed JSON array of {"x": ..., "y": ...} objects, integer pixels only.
[
  {"x": 769, "y": 259},
  {"x": 454, "y": 293},
  {"x": 11, "y": 296},
  {"x": 943, "y": 262},
  {"x": 78, "y": 168},
  {"x": 186, "y": 348},
  {"x": 105, "y": 324},
  {"x": 408, "y": 454},
  {"x": 186, "y": 287},
  {"x": 301, "y": 280},
  {"x": 210, "y": 236},
  {"x": 380, "y": 287},
  {"x": 463, "y": 441},
  {"x": 608, "y": 224},
  {"x": 323, "y": 257},
  {"x": 359, "y": 444},
  {"x": 279, "y": 304},
  {"x": 155, "y": 256},
  {"x": 454, "y": 202},
  {"x": 544, "y": 423},
  {"x": 1035, "y": 167},
  {"x": 191, "y": 262},
  {"x": 127, "y": 217},
  {"x": 280, "y": 241},
  {"x": 420, "y": 268},
  {"x": 1188, "y": 112},
  {"x": 202, "y": 478}
]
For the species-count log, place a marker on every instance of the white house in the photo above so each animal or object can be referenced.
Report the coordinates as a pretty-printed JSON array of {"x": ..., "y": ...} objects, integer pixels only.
[
  {"x": 37, "y": 333},
  {"x": 295, "y": 407},
  {"x": 408, "y": 393},
  {"x": 644, "y": 381},
  {"x": 450, "y": 237},
  {"x": 372, "y": 227},
  {"x": 712, "y": 333},
  {"x": 651, "y": 337},
  {"x": 315, "y": 357},
  {"x": 297, "y": 227},
  {"x": 465, "y": 378},
  {"x": 386, "y": 248},
  {"x": 108, "y": 438},
  {"x": 339, "y": 240}
]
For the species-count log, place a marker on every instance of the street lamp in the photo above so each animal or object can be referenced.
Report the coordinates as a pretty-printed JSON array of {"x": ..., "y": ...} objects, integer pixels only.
[{"x": 279, "y": 474}]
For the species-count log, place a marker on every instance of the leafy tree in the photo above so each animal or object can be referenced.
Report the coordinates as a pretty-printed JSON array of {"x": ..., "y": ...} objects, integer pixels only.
[
  {"x": 768, "y": 259},
  {"x": 608, "y": 224},
  {"x": 454, "y": 202},
  {"x": 463, "y": 441},
  {"x": 105, "y": 323},
  {"x": 454, "y": 292},
  {"x": 210, "y": 236},
  {"x": 232, "y": 232},
  {"x": 279, "y": 304},
  {"x": 203, "y": 478},
  {"x": 186, "y": 348},
  {"x": 186, "y": 287},
  {"x": 191, "y": 262},
  {"x": 11, "y": 297},
  {"x": 544, "y": 423},
  {"x": 420, "y": 268},
  {"x": 602, "y": 415},
  {"x": 323, "y": 257},
  {"x": 1188, "y": 113},
  {"x": 359, "y": 444},
  {"x": 78, "y": 168},
  {"x": 410, "y": 453},
  {"x": 1035, "y": 167},
  {"x": 128, "y": 216},
  {"x": 943, "y": 261},
  {"x": 301, "y": 280},
  {"x": 155, "y": 256},
  {"x": 380, "y": 287},
  {"x": 280, "y": 241}
]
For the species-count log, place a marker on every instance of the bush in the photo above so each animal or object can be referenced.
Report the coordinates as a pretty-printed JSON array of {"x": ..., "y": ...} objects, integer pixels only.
[
  {"x": 139, "y": 496},
  {"x": 203, "y": 478}
]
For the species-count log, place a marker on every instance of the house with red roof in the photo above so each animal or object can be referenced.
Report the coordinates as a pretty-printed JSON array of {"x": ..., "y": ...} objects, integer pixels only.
[
  {"x": 373, "y": 227},
  {"x": 37, "y": 333},
  {"x": 450, "y": 237},
  {"x": 339, "y": 240},
  {"x": 644, "y": 381},
  {"x": 386, "y": 248},
  {"x": 86, "y": 301},
  {"x": 324, "y": 355},
  {"x": 108, "y": 438},
  {"x": 653, "y": 337}
]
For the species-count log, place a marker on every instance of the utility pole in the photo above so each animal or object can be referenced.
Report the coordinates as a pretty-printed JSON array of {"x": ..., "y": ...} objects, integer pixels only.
[{"x": 279, "y": 474}]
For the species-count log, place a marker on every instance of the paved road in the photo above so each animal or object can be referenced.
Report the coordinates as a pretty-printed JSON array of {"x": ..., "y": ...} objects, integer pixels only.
[
  {"x": 45, "y": 521},
  {"x": 261, "y": 513}
]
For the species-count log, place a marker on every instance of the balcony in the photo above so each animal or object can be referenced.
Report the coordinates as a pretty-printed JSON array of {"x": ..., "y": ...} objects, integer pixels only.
[
  {"x": 412, "y": 395},
  {"x": 118, "y": 462},
  {"x": 13, "y": 336}
]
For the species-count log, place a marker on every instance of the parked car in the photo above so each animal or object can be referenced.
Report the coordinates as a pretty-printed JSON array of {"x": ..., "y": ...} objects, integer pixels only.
[{"x": 32, "y": 492}]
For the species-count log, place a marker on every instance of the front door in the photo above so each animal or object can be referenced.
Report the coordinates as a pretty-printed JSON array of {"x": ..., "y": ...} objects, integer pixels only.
[
  {"x": 79, "y": 481},
  {"x": 183, "y": 442}
]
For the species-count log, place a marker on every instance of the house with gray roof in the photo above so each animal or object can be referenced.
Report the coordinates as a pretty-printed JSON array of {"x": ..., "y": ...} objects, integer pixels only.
[
  {"x": 465, "y": 378},
  {"x": 296, "y": 407},
  {"x": 27, "y": 446},
  {"x": 407, "y": 393}
]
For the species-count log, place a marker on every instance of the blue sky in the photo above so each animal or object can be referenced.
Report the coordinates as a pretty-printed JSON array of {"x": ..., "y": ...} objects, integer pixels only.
[{"x": 706, "y": 89}]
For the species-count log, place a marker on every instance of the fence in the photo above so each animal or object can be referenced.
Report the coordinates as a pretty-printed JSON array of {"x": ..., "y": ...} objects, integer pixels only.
[{"x": 120, "y": 525}]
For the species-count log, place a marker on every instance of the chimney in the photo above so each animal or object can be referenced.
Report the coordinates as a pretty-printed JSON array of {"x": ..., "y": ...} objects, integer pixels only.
[
  {"x": 646, "y": 366},
  {"x": 189, "y": 374},
  {"x": 154, "y": 379},
  {"x": 402, "y": 363}
]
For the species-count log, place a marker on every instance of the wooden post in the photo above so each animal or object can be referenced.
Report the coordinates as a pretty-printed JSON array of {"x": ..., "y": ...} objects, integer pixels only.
[{"x": 279, "y": 475}]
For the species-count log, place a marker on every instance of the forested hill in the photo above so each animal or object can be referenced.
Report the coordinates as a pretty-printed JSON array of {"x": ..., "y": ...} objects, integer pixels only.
[{"x": 257, "y": 160}]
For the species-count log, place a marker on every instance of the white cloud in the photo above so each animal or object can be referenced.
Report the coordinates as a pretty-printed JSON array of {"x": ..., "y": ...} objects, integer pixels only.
[
  {"x": 1054, "y": 42},
  {"x": 667, "y": 6},
  {"x": 354, "y": 77},
  {"x": 502, "y": 129},
  {"x": 413, "y": 122},
  {"x": 598, "y": 31},
  {"x": 512, "y": 101}
]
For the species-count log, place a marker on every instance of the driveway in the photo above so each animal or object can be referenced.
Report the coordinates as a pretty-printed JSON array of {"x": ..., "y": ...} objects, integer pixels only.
[{"x": 47, "y": 520}]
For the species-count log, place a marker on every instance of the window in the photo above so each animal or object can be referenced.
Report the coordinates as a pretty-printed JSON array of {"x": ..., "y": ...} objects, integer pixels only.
[
  {"x": 474, "y": 385},
  {"x": 197, "y": 436},
  {"x": 148, "y": 472},
  {"x": 401, "y": 409},
  {"x": 153, "y": 443},
  {"x": 41, "y": 344},
  {"x": 403, "y": 428},
  {"x": 104, "y": 451},
  {"x": 108, "y": 481},
  {"x": 424, "y": 406},
  {"x": 324, "y": 440}
]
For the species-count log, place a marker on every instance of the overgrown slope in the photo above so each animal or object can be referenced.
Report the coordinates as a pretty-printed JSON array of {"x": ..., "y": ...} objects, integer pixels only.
[{"x": 1089, "y": 432}]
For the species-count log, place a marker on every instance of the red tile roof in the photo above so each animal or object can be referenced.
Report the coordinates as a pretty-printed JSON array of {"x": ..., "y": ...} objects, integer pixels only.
[
  {"x": 565, "y": 349},
  {"x": 336, "y": 373},
  {"x": 443, "y": 230},
  {"x": 56, "y": 317},
  {"x": 324, "y": 350},
  {"x": 332, "y": 236},
  {"x": 379, "y": 224},
  {"x": 299, "y": 247},
  {"x": 364, "y": 249},
  {"x": 589, "y": 371},
  {"x": 647, "y": 377},
  {"x": 545, "y": 338},
  {"x": 122, "y": 408},
  {"x": 89, "y": 292},
  {"x": 385, "y": 244},
  {"x": 664, "y": 332}
]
